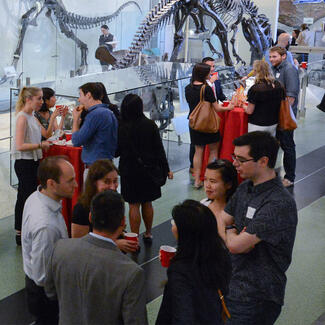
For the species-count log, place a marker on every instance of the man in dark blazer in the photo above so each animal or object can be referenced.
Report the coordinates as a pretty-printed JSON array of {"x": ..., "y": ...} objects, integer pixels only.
[{"x": 93, "y": 281}]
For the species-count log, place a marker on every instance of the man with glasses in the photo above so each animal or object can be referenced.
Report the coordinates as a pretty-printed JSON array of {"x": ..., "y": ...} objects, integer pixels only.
[{"x": 259, "y": 227}]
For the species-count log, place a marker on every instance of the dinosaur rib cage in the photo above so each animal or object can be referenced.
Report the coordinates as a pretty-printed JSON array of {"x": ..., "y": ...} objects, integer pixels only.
[
  {"x": 81, "y": 22},
  {"x": 158, "y": 16},
  {"x": 230, "y": 10}
]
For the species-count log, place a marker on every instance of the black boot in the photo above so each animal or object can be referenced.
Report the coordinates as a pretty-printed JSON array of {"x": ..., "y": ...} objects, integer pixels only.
[{"x": 321, "y": 106}]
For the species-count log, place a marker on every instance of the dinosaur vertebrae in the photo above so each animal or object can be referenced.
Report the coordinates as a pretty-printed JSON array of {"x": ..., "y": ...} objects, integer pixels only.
[
  {"x": 157, "y": 17},
  {"x": 82, "y": 22}
]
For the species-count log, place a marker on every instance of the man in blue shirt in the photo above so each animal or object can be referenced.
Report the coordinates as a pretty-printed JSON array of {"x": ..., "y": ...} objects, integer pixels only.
[{"x": 98, "y": 134}]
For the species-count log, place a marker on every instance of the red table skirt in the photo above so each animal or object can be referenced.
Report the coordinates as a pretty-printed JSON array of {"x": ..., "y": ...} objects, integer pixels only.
[
  {"x": 232, "y": 125},
  {"x": 74, "y": 155}
]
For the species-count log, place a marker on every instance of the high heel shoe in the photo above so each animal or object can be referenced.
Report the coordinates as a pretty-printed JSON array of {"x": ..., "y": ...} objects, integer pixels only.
[
  {"x": 18, "y": 238},
  {"x": 197, "y": 186}
]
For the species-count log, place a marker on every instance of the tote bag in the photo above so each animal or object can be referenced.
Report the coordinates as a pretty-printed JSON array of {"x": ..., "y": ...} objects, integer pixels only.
[
  {"x": 204, "y": 117},
  {"x": 286, "y": 122}
]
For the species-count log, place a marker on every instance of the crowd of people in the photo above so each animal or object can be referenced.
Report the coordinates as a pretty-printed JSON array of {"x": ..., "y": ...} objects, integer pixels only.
[{"x": 233, "y": 247}]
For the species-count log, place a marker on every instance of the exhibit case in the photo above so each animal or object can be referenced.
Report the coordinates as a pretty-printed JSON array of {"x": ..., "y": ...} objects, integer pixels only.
[{"x": 161, "y": 87}]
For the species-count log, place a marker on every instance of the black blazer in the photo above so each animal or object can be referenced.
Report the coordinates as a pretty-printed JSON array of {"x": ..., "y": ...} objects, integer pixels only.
[{"x": 187, "y": 300}]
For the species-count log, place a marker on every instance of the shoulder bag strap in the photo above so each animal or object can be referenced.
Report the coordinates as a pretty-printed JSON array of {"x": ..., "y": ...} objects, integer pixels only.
[{"x": 202, "y": 91}]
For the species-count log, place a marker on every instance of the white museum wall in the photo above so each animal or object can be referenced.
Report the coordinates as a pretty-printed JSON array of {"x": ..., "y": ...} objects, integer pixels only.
[{"x": 47, "y": 53}]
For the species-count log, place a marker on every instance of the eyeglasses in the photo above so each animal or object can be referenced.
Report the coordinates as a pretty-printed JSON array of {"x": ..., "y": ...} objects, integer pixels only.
[{"x": 240, "y": 160}]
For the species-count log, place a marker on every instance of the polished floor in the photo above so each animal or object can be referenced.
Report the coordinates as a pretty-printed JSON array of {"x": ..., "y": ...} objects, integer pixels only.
[{"x": 305, "y": 293}]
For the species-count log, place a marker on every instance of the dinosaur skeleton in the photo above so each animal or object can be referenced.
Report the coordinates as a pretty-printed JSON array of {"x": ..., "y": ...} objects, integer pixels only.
[
  {"x": 67, "y": 22},
  {"x": 227, "y": 15}
]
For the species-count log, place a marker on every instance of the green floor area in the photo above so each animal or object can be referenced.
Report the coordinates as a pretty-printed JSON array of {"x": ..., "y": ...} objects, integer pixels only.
[{"x": 305, "y": 292}]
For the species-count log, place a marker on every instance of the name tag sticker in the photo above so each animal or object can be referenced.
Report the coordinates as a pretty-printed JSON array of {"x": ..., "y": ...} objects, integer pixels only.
[
  {"x": 250, "y": 212},
  {"x": 277, "y": 75}
]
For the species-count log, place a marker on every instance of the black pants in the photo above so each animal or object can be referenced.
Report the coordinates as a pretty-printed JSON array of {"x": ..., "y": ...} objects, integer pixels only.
[
  {"x": 26, "y": 171},
  {"x": 45, "y": 310}
]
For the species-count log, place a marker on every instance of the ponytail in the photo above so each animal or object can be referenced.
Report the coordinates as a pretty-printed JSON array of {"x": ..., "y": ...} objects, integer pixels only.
[{"x": 26, "y": 92}]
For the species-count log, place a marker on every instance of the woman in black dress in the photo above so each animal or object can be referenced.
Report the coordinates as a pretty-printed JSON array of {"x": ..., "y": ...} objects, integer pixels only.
[
  {"x": 139, "y": 139},
  {"x": 264, "y": 100},
  {"x": 200, "y": 74},
  {"x": 200, "y": 267}
]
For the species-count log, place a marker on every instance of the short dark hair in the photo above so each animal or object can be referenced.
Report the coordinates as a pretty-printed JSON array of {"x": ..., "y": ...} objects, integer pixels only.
[
  {"x": 280, "y": 50},
  {"x": 107, "y": 211},
  {"x": 50, "y": 168},
  {"x": 94, "y": 89},
  {"x": 104, "y": 26},
  {"x": 261, "y": 144},
  {"x": 131, "y": 108},
  {"x": 207, "y": 58},
  {"x": 200, "y": 72},
  {"x": 47, "y": 94},
  {"x": 228, "y": 174}
]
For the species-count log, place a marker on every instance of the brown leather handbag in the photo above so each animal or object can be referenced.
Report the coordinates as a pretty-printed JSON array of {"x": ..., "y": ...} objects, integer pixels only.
[
  {"x": 286, "y": 122},
  {"x": 204, "y": 117}
]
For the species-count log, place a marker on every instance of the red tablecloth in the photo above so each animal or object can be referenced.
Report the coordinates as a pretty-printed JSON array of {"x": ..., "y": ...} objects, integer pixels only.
[
  {"x": 232, "y": 125},
  {"x": 74, "y": 155}
]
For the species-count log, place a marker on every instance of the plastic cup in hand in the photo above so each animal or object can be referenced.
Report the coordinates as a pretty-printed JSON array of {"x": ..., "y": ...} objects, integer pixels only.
[
  {"x": 166, "y": 254},
  {"x": 225, "y": 103},
  {"x": 131, "y": 236},
  {"x": 303, "y": 65}
]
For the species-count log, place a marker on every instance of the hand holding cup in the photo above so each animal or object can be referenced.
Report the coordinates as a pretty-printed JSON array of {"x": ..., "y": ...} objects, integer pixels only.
[{"x": 166, "y": 253}]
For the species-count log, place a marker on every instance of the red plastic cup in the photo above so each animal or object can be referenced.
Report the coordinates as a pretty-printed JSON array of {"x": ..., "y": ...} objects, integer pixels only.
[
  {"x": 68, "y": 136},
  {"x": 226, "y": 103},
  {"x": 303, "y": 65},
  {"x": 131, "y": 236},
  {"x": 166, "y": 254}
]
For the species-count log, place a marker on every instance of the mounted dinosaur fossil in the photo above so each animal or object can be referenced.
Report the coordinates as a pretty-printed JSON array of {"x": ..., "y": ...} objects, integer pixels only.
[
  {"x": 227, "y": 15},
  {"x": 67, "y": 22}
]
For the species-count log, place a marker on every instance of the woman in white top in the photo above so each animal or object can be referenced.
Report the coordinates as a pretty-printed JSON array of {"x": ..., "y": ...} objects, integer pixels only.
[
  {"x": 220, "y": 183},
  {"x": 27, "y": 148}
]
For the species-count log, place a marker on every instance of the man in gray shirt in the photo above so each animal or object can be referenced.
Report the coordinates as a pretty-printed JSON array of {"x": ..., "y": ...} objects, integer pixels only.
[
  {"x": 93, "y": 281},
  {"x": 43, "y": 225},
  {"x": 288, "y": 75}
]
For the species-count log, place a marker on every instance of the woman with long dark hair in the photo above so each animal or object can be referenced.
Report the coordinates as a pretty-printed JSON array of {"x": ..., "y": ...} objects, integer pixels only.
[
  {"x": 102, "y": 176},
  {"x": 264, "y": 100},
  {"x": 200, "y": 267},
  {"x": 139, "y": 144},
  {"x": 46, "y": 117},
  {"x": 200, "y": 75},
  {"x": 220, "y": 183}
]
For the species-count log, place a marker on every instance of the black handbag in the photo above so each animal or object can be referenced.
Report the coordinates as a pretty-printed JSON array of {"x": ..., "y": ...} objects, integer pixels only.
[{"x": 153, "y": 169}]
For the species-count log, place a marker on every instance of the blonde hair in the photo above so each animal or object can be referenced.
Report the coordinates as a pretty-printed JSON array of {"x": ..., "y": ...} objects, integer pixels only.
[
  {"x": 26, "y": 92},
  {"x": 262, "y": 72}
]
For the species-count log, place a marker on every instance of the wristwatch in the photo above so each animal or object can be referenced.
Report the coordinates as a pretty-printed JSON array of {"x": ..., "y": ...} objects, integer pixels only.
[{"x": 231, "y": 227}]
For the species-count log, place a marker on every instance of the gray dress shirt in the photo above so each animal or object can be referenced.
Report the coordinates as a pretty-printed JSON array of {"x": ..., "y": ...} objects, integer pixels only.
[
  {"x": 288, "y": 75},
  {"x": 43, "y": 225}
]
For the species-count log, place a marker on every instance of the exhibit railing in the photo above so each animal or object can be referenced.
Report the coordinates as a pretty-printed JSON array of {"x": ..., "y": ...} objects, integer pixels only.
[
  {"x": 312, "y": 78},
  {"x": 162, "y": 89}
]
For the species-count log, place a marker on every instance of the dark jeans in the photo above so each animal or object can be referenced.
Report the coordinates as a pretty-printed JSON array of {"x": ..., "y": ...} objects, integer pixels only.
[
  {"x": 26, "y": 171},
  {"x": 288, "y": 146},
  {"x": 252, "y": 313},
  {"x": 45, "y": 310},
  {"x": 104, "y": 66}
]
